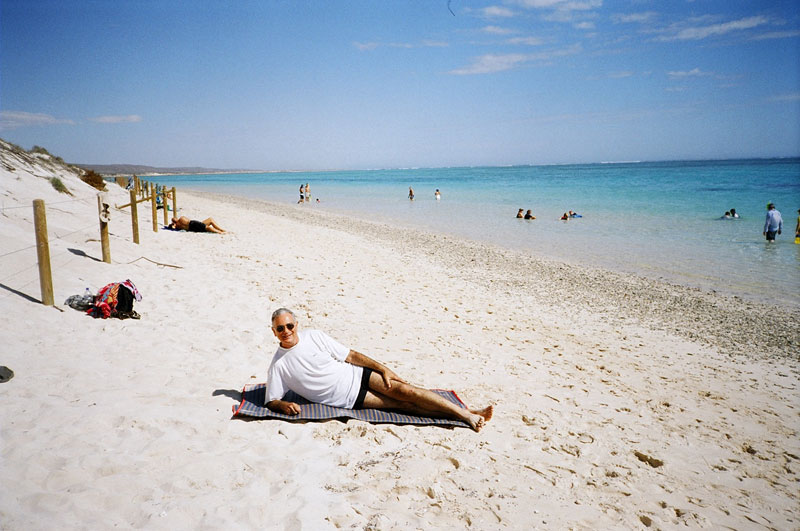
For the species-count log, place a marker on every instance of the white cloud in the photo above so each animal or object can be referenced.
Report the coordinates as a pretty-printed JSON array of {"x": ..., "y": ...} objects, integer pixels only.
[
  {"x": 491, "y": 63},
  {"x": 497, "y": 12},
  {"x": 584, "y": 25},
  {"x": 567, "y": 5},
  {"x": 538, "y": 3},
  {"x": 434, "y": 44},
  {"x": 682, "y": 74},
  {"x": 632, "y": 18},
  {"x": 546, "y": 56},
  {"x": 529, "y": 41},
  {"x": 702, "y": 32},
  {"x": 777, "y": 35},
  {"x": 367, "y": 46},
  {"x": 613, "y": 75},
  {"x": 127, "y": 119},
  {"x": 14, "y": 119},
  {"x": 497, "y": 30}
]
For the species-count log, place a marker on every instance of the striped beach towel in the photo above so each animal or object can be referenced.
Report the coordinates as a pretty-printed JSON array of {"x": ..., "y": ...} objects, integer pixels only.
[{"x": 253, "y": 396}]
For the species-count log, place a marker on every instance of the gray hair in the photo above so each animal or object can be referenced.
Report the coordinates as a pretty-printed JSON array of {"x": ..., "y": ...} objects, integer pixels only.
[{"x": 281, "y": 311}]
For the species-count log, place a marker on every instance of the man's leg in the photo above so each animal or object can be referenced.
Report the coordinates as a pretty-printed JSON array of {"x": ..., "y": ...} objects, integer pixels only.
[
  {"x": 418, "y": 401},
  {"x": 210, "y": 223}
]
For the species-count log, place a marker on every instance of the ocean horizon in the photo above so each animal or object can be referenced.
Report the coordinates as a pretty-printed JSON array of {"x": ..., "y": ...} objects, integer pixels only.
[{"x": 659, "y": 220}]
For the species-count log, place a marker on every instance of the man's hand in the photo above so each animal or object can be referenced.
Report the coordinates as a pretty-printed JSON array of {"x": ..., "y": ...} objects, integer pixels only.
[
  {"x": 362, "y": 360},
  {"x": 388, "y": 376},
  {"x": 287, "y": 408}
]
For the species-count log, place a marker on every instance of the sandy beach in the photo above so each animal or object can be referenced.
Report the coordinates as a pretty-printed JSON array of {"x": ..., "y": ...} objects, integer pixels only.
[{"x": 620, "y": 402}]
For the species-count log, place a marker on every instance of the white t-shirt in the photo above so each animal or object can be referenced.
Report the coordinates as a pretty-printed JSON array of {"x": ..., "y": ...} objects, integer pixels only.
[{"x": 315, "y": 369}]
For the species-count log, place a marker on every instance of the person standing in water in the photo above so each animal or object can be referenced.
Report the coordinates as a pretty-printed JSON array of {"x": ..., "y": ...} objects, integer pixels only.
[
  {"x": 410, "y": 193},
  {"x": 773, "y": 224},
  {"x": 797, "y": 228}
]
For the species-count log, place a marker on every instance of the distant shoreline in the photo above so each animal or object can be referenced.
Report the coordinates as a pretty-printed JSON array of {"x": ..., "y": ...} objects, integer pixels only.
[{"x": 114, "y": 170}]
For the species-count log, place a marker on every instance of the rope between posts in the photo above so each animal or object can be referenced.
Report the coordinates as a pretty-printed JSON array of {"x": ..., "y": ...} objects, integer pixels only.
[
  {"x": 4, "y": 208},
  {"x": 52, "y": 258},
  {"x": 56, "y": 238}
]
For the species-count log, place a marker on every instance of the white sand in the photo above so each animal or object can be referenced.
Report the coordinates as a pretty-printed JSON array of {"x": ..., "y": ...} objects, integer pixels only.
[{"x": 127, "y": 423}]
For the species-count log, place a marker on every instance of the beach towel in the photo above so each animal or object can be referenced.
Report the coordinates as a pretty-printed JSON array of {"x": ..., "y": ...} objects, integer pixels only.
[{"x": 253, "y": 396}]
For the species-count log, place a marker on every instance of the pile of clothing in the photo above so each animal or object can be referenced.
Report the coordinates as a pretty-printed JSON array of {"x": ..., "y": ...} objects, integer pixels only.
[{"x": 113, "y": 300}]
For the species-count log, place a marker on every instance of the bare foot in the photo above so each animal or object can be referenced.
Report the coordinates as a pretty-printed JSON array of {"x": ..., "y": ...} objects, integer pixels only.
[
  {"x": 475, "y": 421},
  {"x": 486, "y": 412},
  {"x": 478, "y": 417}
]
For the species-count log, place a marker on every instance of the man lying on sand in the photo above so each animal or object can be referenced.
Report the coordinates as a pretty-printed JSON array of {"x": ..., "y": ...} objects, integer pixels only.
[
  {"x": 320, "y": 369},
  {"x": 192, "y": 225}
]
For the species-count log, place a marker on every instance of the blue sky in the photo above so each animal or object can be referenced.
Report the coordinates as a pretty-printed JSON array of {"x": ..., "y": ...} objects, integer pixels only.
[{"x": 385, "y": 84}]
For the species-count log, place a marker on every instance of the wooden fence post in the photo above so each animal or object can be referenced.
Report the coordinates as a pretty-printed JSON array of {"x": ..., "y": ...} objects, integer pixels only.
[
  {"x": 102, "y": 212},
  {"x": 164, "y": 197},
  {"x": 153, "y": 206},
  {"x": 174, "y": 204},
  {"x": 134, "y": 217},
  {"x": 43, "y": 252}
]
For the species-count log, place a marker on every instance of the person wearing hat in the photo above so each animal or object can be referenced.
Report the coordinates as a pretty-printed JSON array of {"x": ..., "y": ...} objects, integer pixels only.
[{"x": 773, "y": 223}]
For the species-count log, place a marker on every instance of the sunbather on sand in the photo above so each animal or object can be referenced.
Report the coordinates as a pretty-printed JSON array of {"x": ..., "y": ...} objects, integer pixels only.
[
  {"x": 320, "y": 369},
  {"x": 192, "y": 225}
]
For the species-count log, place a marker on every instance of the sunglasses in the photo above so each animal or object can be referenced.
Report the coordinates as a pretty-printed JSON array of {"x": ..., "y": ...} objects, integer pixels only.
[{"x": 280, "y": 328}]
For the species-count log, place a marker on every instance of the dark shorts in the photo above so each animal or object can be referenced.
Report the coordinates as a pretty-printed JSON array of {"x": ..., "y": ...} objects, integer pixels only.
[
  {"x": 364, "y": 388},
  {"x": 197, "y": 226},
  {"x": 771, "y": 235}
]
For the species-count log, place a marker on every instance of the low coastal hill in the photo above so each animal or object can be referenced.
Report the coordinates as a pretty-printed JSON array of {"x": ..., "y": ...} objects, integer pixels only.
[
  {"x": 41, "y": 156},
  {"x": 139, "y": 169}
]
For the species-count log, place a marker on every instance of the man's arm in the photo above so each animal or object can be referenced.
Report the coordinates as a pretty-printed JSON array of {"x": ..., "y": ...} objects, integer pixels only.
[
  {"x": 281, "y": 406},
  {"x": 362, "y": 360}
]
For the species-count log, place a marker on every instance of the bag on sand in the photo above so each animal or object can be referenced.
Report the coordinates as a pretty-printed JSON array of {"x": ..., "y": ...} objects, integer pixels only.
[{"x": 116, "y": 300}]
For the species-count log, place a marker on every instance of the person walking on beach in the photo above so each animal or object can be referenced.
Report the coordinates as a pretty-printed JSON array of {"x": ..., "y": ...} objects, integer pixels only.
[
  {"x": 410, "y": 193},
  {"x": 308, "y": 193},
  {"x": 320, "y": 369},
  {"x": 773, "y": 224},
  {"x": 302, "y": 195}
]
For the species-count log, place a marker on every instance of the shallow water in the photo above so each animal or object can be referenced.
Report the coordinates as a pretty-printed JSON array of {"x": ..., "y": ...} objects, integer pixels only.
[{"x": 659, "y": 220}]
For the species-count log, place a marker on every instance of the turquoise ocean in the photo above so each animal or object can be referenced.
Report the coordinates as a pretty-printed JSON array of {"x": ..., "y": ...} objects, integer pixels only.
[{"x": 654, "y": 219}]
